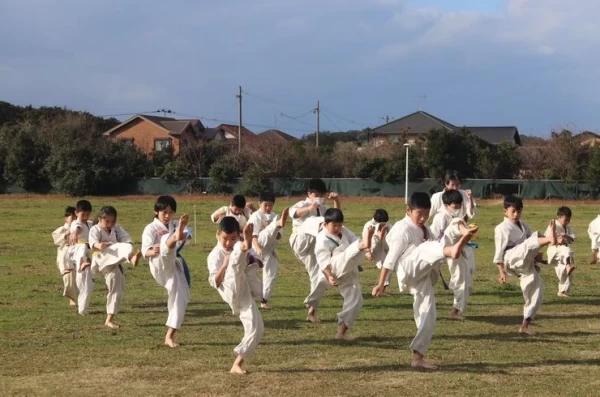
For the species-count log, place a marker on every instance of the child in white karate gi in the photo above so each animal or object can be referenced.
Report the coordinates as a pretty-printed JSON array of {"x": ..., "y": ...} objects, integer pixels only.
[
  {"x": 418, "y": 272},
  {"x": 339, "y": 253},
  {"x": 111, "y": 247},
  {"x": 412, "y": 230},
  {"x": 379, "y": 247},
  {"x": 594, "y": 233},
  {"x": 267, "y": 231},
  {"x": 452, "y": 182},
  {"x": 561, "y": 255},
  {"x": 448, "y": 227},
  {"x": 159, "y": 245},
  {"x": 62, "y": 238},
  {"x": 237, "y": 209},
  {"x": 80, "y": 254},
  {"x": 303, "y": 245},
  {"x": 517, "y": 248},
  {"x": 226, "y": 267}
]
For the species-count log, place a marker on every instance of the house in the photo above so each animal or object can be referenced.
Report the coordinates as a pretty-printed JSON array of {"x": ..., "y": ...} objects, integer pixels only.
[
  {"x": 230, "y": 132},
  {"x": 419, "y": 123},
  {"x": 276, "y": 136},
  {"x": 588, "y": 138},
  {"x": 154, "y": 133}
]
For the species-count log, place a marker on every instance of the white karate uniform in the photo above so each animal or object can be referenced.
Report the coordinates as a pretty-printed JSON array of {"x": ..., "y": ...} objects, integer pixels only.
[
  {"x": 235, "y": 291},
  {"x": 109, "y": 262},
  {"x": 446, "y": 230},
  {"x": 516, "y": 248},
  {"x": 343, "y": 256},
  {"x": 302, "y": 242},
  {"x": 167, "y": 270},
  {"x": 437, "y": 205},
  {"x": 400, "y": 238},
  {"x": 417, "y": 273},
  {"x": 379, "y": 248},
  {"x": 558, "y": 255},
  {"x": 64, "y": 262},
  {"x": 84, "y": 279},
  {"x": 242, "y": 218},
  {"x": 265, "y": 228},
  {"x": 594, "y": 233}
]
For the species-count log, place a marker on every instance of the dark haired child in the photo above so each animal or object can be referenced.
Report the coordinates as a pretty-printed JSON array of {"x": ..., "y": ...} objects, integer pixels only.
[
  {"x": 238, "y": 208},
  {"x": 561, "y": 255},
  {"x": 226, "y": 267},
  {"x": 111, "y": 247},
  {"x": 303, "y": 244},
  {"x": 159, "y": 246},
  {"x": 339, "y": 253},
  {"x": 61, "y": 237},
  {"x": 516, "y": 250},
  {"x": 267, "y": 231},
  {"x": 80, "y": 249}
]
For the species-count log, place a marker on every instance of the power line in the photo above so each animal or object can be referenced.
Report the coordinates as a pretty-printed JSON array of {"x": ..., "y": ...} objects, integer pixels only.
[
  {"x": 270, "y": 100},
  {"x": 331, "y": 121},
  {"x": 296, "y": 118},
  {"x": 128, "y": 114},
  {"x": 345, "y": 119},
  {"x": 271, "y": 127}
]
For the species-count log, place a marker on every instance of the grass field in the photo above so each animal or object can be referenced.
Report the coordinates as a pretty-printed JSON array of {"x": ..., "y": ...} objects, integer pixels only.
[{"x": 47, "y": 349}]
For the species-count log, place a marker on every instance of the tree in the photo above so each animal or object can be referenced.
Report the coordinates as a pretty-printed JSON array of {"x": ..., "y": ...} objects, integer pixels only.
[
  {"x": 569, "y": 157},
  {"x": 25, "y": 156},
  {"x": 450, "y": 150}
]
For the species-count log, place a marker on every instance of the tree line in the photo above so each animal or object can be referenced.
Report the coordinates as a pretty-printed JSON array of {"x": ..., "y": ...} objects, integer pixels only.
[{"x": 51, "y": 148}]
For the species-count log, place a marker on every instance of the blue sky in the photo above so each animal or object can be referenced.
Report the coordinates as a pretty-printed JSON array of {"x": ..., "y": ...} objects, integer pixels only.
[{"x": 529, "y": 63}]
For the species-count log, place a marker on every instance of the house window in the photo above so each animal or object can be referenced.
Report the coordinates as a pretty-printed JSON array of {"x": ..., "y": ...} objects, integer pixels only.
[
  {"x": 127, "y": 141},
  {"x": 161, "y": 144}
]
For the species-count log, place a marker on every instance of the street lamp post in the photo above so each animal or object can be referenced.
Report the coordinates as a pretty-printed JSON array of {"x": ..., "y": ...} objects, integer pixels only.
[{"x": 406, "y": 145}]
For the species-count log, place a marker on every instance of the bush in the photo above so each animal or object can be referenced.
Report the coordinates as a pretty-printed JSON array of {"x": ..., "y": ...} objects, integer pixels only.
[
  {"x": 253, "y": 182},
  {"x": 221, "y": 174}
]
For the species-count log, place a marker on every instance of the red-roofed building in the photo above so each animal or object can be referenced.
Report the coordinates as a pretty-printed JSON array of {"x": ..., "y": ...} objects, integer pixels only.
[{"x": 153, "y": 133}]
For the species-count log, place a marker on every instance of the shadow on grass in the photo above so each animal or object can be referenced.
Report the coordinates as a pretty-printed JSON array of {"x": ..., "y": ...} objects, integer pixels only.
[
  {"x": 481, "y": 367},
  {"x": 541, "y": 336},
  {"x": 516, "y": 320}
]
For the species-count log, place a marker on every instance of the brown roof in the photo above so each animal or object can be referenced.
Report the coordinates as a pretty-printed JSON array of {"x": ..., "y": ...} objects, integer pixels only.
[
  {"x": 233, "y": 130},
  {"x": 173, "y": 126},
  {"x": 276, "y": 136}
]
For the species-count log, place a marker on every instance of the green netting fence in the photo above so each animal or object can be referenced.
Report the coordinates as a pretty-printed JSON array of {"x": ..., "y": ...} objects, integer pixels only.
[{"x": 482, "y": 188}]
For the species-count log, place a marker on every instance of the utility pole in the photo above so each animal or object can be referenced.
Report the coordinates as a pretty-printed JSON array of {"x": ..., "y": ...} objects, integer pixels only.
[
  {"x": 386, "y": 118},
  {"x": 318, "y": 112},
  {"x": 239, "y": 97}
]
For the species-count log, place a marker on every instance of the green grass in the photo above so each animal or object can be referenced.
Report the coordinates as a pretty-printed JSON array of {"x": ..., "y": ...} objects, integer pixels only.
[{"x": 47, "y": 349}]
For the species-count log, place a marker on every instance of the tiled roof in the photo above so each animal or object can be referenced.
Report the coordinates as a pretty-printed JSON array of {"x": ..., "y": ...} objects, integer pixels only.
[{"x": 276, "y": 136}]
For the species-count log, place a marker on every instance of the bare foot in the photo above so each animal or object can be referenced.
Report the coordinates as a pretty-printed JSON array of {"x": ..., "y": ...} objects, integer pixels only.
[
  {"x": 111, "y": 325},
  {"x": 455, "y": 250},
  {"x": 526, "y": 331},
  {"x": 382, "y": 232},
  {"x": 312, "y": 316},
  {"x": 422, "y": 364},
  {"x": 570, "y": 269},
  {"x": 66, "y": 271},
  {"x": 553, "y": 240},
  {"x": 136, "y": 258},
  {"x": 366, "y": 243},
  {"x": 344, "y": 337},
  {"x": 84, "y": 266},
  {"x": 455, "y": 316},
  {"x": 283, "y": 218},
  {"x": 247, "y": 232},
  {"x": 180, "y": 231},
  {"x": 594, "y": 257},
  {"x": 265, "y": 305},
  {"x": 72, "y": 302},
  {"x": 237, "y": 370},
  {"x": 562, "y": 295},
  {"x": 170, "y": 342}
]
